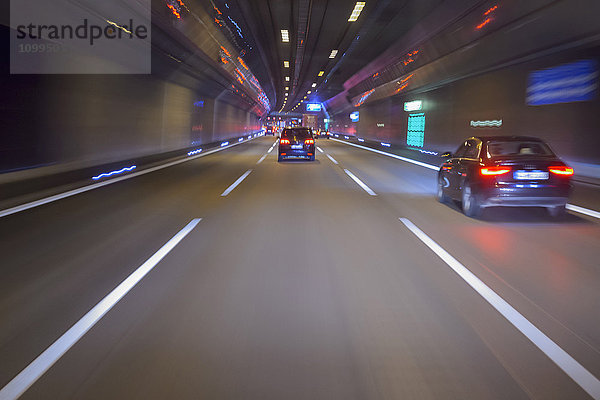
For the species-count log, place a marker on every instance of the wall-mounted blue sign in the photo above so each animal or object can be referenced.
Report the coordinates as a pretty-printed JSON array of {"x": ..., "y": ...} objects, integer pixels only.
[
  {"x": 563, "y": 84},
  {"x": 354, "y": 116},
  {"x": 314, "y": 107}
]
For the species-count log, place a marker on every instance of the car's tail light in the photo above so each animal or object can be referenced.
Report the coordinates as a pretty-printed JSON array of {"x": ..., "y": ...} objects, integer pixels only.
[
  {"x": 561, "y": 170},
  {"x": 492, "y": 171},
  {"x": 284, "y": 141},
  {"x": 309, "y": 141}
]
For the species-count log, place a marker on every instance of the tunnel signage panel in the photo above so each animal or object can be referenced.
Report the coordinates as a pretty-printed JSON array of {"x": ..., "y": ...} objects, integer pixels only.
[
  {"x": 354, "y": 116},
  {"x": 413, "y": 105},
  {"x": 566, "y": 83},
  {"x": 415, "y": 134},
  {"x": 313, "y": 107}
]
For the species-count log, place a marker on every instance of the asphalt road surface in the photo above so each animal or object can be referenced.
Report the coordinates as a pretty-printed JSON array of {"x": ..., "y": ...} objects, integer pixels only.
[{"x": 300, "y": 282}]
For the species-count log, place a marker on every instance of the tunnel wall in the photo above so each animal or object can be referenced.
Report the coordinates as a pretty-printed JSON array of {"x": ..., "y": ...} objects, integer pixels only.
[
  {"x": 464, "y": 74},
  {"x": 570, "y": 128},
  {"x": 76, "y": 121}
]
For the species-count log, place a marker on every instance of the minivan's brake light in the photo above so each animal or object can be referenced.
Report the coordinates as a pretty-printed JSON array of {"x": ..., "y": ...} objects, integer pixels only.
[
  {"x": 309, "y": 141},
  {"x": 284, "y": 141},
  {"x": 561, "y": 170},
  {"x": 491, "y": 171}
]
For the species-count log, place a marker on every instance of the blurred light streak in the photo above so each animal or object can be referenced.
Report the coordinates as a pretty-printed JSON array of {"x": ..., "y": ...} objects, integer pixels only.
[{"x": 120, "y": 171}]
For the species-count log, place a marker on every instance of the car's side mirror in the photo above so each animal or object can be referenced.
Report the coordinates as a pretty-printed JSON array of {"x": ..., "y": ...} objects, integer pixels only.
[{"x": 446, "y": 155}]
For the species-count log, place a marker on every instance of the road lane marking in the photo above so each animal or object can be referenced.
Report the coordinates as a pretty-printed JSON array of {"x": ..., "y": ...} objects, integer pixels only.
[
  {"x": 318, "y": 148},
  {"x": 360, "y": 183},
  {"x": 419, "y": 163},
  {"x": 261, "y": 159},
  {"x": 60, "y": 196},
  {"x": 38, "y": 367},
  {"x": 570, "y": 207},
  {"x": 236, "y": 183},
  {"x": 332, "y": 159},
  {"x": 561, "y": 358},
  {"x": 582, "y": 210}
]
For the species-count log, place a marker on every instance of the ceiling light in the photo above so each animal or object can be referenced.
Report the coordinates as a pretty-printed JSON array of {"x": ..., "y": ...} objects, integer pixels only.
[
  {"x": 333, "y": 53},
  {"x": 287, "y": 78},
  {"x": 321, "y": 73},
  {"x": 286, "y": 64},
  {"x": 287, "y": 88},
  {"x": 356, "y": 12},
  {"x": 285, "y": 36},
  {"x": 314, "y": 84},
  {"x": 309, "y": 92}
]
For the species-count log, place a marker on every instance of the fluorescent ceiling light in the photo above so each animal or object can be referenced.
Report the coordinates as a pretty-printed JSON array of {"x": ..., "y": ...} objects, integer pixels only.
[
  {"x": 357, "y": 10},
  {"x": 309, "y": 92},
  {"x": 321, "y": 73},
  {"x": 287, "y": 88},
  {"x": 286, "y": 64},
  {"x": 287, "y": 78},
  {"x": 333, "y": 53},
  {"x": 285, "y": 36},
  {"x": 314, "y": 84}
]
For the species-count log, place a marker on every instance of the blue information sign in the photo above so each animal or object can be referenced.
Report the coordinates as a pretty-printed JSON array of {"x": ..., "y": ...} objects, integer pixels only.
[{"x": 563, "y": 84}]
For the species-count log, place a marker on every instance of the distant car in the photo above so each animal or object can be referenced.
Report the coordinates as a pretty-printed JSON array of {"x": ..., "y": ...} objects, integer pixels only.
[
  {"x": 296, "y": 143},
  {"x": 515, "y": 171}
]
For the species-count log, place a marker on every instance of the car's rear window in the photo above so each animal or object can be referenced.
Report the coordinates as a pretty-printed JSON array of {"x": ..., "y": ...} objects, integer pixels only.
[
  {"x": 497, "y": 148},
  {"x": 300, "y": 133}
]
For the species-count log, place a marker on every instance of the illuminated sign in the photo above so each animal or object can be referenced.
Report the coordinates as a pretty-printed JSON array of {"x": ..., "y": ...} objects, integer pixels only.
[
  {"x": 316, "y": 107},
  {"x": 413, "y": 105},
  {"x": 563, "y": 84},
  {"x": 496, "y": 123},
  {"x": 354, "y": 116}
]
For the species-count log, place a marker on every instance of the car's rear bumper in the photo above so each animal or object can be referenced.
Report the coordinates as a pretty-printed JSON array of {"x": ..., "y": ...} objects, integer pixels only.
[
  {"x": 296, "y": 153},
  {"x": 550, "y": 196}
]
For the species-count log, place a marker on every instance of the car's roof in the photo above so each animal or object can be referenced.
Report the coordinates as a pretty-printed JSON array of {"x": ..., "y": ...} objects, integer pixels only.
[{"x": 508, "y": 138}]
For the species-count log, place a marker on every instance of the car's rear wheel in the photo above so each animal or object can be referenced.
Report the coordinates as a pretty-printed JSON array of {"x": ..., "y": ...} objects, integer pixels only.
[
  {"x": 470, "y": 203},
  {"x": 440, "y": 195},
  {"x": 557, "y": 211}
]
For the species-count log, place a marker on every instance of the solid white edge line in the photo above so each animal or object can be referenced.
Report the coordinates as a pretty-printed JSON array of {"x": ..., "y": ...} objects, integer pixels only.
[
  {"x": 422, "y": 164},
  {"x": 360, "y": 183},
  {"x": 28, "y": 376},
  {"x": 561, "y": 358},
  {"x": 318, "y": 148},
  {"x": 332, "y": 159},
  {"x": 236, "y": 183},
  {"x": 262, "y": 159},
  {"x": 582, "y": 210},
  {"x": 60, "y": 196},
  {"x": 570, "y": 207}
]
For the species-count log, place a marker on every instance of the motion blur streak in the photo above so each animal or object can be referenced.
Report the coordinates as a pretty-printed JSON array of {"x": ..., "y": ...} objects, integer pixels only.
[
  {"x": 120, "y": 171},
  {"x": 20, "y": 383},
  {"x": 569, "y": 365}
]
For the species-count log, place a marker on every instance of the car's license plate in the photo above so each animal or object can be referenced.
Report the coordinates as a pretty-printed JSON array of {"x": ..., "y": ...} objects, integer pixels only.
[
  {"x": 534, "y": 175},
  {"x": 297, "y": 146}
]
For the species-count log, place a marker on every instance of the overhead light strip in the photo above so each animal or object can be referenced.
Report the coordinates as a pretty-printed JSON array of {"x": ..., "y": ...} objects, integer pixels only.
[{"x": 357, "y": 10}]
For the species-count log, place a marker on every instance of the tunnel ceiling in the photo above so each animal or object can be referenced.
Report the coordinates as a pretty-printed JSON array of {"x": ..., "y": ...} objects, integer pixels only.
[{"x": 315, "y": 27}]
